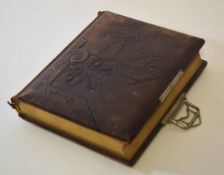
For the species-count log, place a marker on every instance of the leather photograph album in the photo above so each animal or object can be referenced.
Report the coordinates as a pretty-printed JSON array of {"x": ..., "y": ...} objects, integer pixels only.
[{"x": 112, "y": 86}]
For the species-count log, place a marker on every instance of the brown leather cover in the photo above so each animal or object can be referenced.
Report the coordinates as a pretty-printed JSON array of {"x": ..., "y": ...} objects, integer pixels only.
[{"x": 109, "y": 78}]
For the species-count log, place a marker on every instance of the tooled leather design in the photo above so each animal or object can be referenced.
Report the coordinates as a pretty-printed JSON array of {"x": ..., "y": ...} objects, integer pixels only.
[{"x": 82, "y": 66}]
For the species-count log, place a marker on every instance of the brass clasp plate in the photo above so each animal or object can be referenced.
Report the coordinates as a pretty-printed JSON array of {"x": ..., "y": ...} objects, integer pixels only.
[{"x": 190, "y": 120}]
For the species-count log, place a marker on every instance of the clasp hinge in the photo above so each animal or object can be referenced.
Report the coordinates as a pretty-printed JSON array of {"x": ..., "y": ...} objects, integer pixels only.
[{"x": 190, "y": 120}]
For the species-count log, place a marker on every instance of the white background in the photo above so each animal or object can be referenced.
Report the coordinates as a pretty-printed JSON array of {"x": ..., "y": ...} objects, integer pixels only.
[{"x": 32, "y": 33}]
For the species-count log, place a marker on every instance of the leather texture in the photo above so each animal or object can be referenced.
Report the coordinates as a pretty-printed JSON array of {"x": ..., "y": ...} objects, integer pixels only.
[{"x": 109, "y": 78}]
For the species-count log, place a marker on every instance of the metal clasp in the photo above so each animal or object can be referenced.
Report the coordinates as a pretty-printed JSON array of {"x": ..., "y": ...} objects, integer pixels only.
[{"x": 190, "y": 120}]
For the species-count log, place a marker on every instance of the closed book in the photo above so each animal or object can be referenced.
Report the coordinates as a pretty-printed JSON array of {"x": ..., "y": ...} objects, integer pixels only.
[{"x": 109, "y": 89}]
